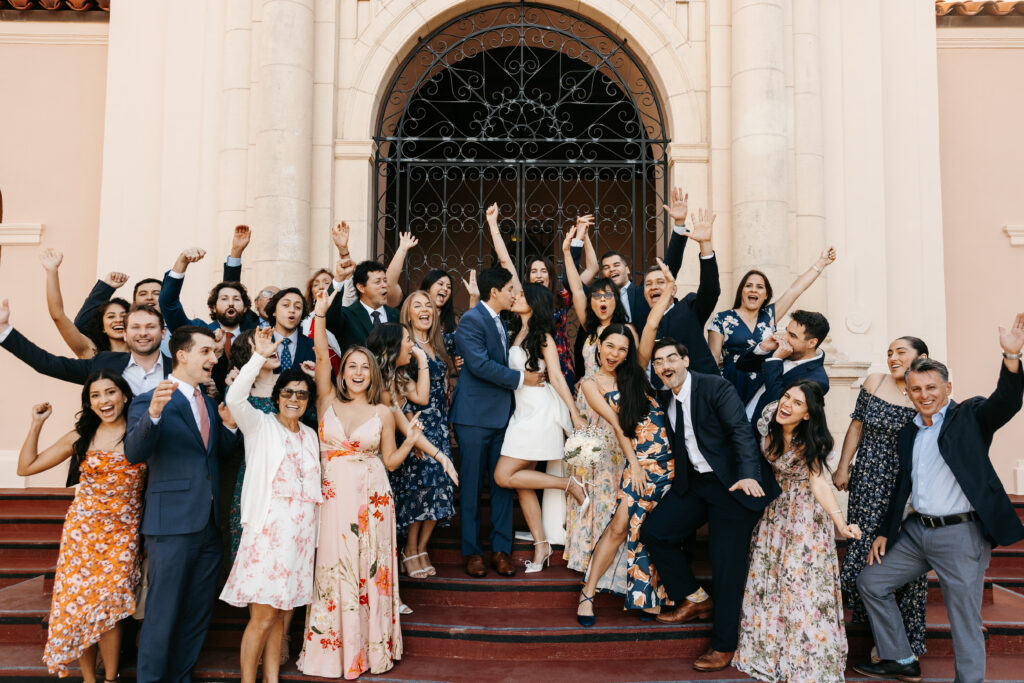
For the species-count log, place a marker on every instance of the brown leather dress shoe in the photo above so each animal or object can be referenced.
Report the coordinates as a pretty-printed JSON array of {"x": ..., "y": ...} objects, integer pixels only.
[
  {"x": 475, "y": 566},
  {"x": 688, "y": 611},
  {"x": 713, "y": 660},
  {"x": 502, "y": 563}
]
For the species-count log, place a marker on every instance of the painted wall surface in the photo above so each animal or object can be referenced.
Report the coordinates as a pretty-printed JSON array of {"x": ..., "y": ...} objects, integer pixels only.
[
  {"x": 981, "y": 190},
  {"x": 51, "y": 149}
]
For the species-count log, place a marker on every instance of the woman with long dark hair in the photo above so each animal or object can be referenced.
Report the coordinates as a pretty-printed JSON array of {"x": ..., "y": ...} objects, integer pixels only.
[
  {"x": 622, "y": 394},
  {"x": 98, "y": 566},
  {"x": 792, "y": 597},
  {"x": 882, "y": 410},
  {"x": 598, "y": 311},
  {"x": 543, "y": 417},
  {"x": 753, "y": 316}
]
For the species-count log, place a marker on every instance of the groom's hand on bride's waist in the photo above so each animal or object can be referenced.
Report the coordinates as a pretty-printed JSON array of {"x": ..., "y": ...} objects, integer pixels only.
[{"x": 533, "y": 379}]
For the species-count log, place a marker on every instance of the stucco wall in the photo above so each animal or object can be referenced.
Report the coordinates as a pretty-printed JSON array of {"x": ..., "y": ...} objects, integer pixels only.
[
  {"x": 51, "y": 136},
  {"x": 981, "y": 99}
]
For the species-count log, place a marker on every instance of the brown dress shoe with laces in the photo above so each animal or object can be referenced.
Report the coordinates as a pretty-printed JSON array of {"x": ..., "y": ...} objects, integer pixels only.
[
  {"x": 688, "y": 611},
  {"x": 502, "y": 563},
  {"x": 713, "y": 660},
  {"x": 475, "y": 566}
]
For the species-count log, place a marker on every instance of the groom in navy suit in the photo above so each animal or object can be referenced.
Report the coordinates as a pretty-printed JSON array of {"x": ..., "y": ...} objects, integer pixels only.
[
  {"x": 480, "y": 410},
  {"x": 179, "y": 433}
]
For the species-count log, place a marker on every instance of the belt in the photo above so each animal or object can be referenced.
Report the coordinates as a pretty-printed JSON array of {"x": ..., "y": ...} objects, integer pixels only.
[{"x": 948, "y": 520}]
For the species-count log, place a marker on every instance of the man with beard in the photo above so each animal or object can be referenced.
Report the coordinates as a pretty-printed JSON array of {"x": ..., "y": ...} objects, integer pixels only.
[
  {"x": 180, "y": 434},
  {"x": 142, "y": 366}
]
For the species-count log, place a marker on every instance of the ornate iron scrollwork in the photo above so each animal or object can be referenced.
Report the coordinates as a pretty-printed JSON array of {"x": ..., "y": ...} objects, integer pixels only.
[{"x": 533, "y": 107}]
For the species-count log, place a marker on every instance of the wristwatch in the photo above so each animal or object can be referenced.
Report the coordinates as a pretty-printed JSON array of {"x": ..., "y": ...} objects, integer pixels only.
[{"x": 1012, "y": 356}]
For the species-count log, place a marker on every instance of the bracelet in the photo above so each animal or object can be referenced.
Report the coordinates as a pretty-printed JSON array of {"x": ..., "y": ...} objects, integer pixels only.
[
  {"x": 317, "y": 315},
  {"x": 1012, "y": 356},
  {"x": 816, "y": 268}
]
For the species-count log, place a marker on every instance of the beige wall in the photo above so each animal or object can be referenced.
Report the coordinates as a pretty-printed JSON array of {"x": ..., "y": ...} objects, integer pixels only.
[
  {"x": 981, "y": 100},
  {"x": 51, "y": 137}
]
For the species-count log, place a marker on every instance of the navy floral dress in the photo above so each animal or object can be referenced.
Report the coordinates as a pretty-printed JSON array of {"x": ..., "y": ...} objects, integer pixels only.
[
  {"x": 651, "y": 443},
  {"x": 563, "y": 300},
  {"x": 421, "y": 488},
  {"x": 872, "y": 481},
  {"x": 738, "y": 340}
]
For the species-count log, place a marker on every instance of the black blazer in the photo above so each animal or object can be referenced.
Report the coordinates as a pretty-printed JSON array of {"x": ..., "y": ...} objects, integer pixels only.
[
  {"x": 686, "y": 320},
  {"x": 724, "y": 437},
  {"x": 100, "y": 294},
  {"x": 352, "y": 324},
  {"x": 964, "y": 440},
  {"x": 776, "y": 381}
]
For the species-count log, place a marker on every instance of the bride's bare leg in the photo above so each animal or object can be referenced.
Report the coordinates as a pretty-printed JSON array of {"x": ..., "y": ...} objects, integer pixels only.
[{"x": 513, "y": 473}]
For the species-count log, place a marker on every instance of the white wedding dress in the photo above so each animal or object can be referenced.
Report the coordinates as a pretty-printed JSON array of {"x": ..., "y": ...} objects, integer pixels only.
[{"x": 536, "y": 431}]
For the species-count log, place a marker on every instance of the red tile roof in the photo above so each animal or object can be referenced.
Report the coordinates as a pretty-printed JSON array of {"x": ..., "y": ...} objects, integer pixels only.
[
  {"x": 971, "y": 9},
  {"x": 54, "y": 5}
]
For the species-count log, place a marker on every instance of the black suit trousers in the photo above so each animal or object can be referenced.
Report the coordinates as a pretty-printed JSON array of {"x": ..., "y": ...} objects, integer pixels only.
[{"x": 678, "y": 515}]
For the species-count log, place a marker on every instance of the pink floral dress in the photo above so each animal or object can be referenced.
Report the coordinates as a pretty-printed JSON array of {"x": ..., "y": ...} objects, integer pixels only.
[
  {"x": 352, "y": 624},
  {"x": 274, "y": 566}
]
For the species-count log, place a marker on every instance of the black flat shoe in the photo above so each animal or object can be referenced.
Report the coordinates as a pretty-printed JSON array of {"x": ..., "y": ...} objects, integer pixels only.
[{"x": 890, "y": 668}]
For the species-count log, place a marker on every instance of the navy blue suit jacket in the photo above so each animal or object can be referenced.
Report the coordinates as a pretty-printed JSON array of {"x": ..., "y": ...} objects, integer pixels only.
[
  {"x": 483, "y": 394},
  {"x": 776, "y": 381},
  {"x": 184, "y": 476},
  {"x": 304, "y": 350},
  {"x": 964, "y": 440},
  {"x": 686, "y": 320}
]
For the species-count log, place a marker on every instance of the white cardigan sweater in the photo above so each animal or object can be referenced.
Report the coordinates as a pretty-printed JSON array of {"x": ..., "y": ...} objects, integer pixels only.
[{"x": 264, "y": 445}]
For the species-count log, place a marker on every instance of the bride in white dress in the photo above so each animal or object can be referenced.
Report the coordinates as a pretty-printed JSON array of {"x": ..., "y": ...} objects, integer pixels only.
[{"x": 543, "y": 417}]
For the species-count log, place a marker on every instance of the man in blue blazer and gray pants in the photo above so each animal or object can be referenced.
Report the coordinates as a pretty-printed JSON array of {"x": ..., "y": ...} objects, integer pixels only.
[
  {"x": 481, "y": 408},
  {"x": 179, "y": 433}
]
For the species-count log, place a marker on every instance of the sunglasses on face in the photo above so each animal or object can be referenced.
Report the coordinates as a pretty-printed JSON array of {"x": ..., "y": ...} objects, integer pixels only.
[{"x": 300, "y": 394}]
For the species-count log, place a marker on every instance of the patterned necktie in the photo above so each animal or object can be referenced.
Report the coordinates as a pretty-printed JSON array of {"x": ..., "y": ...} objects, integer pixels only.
[
  {"x": 502, "y": 335},
  {"x": 376, "y": 318},
  {"x": 285, "y": 353},
  {"x": 204, "y": 417}
]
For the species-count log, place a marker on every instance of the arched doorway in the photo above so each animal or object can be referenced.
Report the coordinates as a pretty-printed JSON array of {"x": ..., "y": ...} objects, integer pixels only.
[{"x": 533, "y": 107}]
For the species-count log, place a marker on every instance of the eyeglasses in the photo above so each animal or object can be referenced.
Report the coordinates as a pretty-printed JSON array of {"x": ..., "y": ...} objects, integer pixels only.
[
  {"x": 671, "y": 358},
  {"x": 602, "y": 295},
  {"x": 267, "y": 294},
  {"x": 300, "y": 394}
]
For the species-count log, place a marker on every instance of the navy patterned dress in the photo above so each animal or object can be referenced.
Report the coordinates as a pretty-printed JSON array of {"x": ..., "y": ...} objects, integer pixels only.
[
  {"x": 738, "y": 340},
  {"x": 872, "y": 481},
  {"x": 421, "y": 488},
  {"x": 651, "y": 443}
]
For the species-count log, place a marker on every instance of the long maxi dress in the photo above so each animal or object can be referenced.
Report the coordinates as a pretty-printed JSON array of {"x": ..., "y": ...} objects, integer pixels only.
[
  {"x": 98, "y": 566},
  {"x": 871, "y": 486},
  {"x": 352, "y": 625},
  {"x": 584, "y": 530},
  {"x": 791, "y": 626}
]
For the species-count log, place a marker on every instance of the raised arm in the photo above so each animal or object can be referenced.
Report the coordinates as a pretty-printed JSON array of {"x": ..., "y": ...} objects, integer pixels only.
[
  {"x": 499, "y": 245},
  {"x": 324, "y": 383},
  {"x": 677, "y": 240},
  {"x": 590, "y": 254},
  {"x": 405, "y": 243},
  {"x": 232, "y": 271},
  {"x": 80, "y": 345},
  {"x": 1005, "y": 402},
  {"x": 100, "y": 294},
  {"x": 30, "y": 460},
  {"x": 471, "y": 288},
  {"x": 170, "y": 290},
  {"x": 572, "y": 276},
  {"x": 710, "y": 287},
  {"x": 800, "y": 285},
  {"x": 650, "y": 332}
]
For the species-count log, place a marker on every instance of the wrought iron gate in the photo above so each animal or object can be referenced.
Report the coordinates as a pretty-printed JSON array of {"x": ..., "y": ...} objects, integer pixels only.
[{"x": 533, "y": 107}]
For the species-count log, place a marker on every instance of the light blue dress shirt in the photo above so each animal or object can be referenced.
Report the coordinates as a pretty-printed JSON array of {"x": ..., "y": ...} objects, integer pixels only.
[{"x": 936, "y": 491}]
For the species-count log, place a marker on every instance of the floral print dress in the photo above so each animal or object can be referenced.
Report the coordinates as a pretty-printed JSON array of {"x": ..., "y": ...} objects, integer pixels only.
[
  {"x": 738, "y": 340},
  {"x": 651, "y": 443},
  {"x": 352, "y": 625},
  {"x": 563, "y": 303},
  {"x": 274, "y": 566},
  {"x": 791, "y": 625},
  {"x": 98, "y": 566},
  {"x": 872, "y": 481},
  {"x": 584, "y": 530},
  {"x": 422, "y": 489}
]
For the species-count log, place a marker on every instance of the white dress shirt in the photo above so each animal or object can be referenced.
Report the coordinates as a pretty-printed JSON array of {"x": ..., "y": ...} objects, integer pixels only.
[
  {"x": 141, "y": 380},
  {"x": 370, "y": 311},
  {"x": 624, "y": 301},
  {"x": 188, "y": 391},
  {"x": 787, "y": 365},
  {"x": 689, "y": 436}
]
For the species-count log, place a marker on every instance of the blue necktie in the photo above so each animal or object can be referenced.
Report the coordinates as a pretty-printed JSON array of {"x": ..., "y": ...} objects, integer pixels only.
[
  {"x": 286, "y": 353},
  {"x": 501, "y": 334}
]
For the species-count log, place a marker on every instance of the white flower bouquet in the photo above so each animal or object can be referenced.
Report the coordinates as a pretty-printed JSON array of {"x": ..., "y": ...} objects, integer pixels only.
[{"x": 583, "y": 448}]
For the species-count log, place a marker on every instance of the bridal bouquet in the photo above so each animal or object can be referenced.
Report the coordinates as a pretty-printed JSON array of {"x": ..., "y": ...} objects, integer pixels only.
[{"x": 583, "y": 448}]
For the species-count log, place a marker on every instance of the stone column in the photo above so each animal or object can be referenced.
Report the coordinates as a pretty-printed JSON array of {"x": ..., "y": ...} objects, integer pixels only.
[
  {"x": 284, "y": 129},
  {"x": 759, "y": 156}
]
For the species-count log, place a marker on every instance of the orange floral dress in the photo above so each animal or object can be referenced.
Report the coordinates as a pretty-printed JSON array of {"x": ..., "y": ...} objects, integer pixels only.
[
  {"x": 352, "y": 624},
  {"x": 99, "y": 565}
]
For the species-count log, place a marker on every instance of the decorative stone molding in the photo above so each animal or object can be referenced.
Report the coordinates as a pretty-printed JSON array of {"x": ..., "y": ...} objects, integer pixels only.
[
  {"x": 12, "y": 234},
  {"x": 358, "y": 150},
  {"x": 53, "y": 33},
  {"x": 1016, "y": 234}
]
